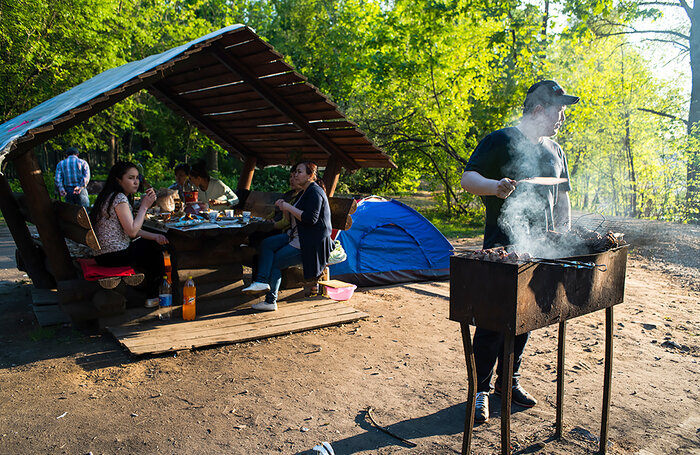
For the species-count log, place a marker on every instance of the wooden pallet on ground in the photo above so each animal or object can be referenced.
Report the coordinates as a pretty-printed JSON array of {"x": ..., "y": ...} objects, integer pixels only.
[
  {"x": 46, "y": 309},
  {"x": 235, "y": 327}
]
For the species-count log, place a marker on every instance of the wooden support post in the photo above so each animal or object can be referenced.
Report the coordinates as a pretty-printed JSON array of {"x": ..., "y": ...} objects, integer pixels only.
[
  {"x": 607, "y": 380},
  {"x": 43, "y": 216},
  {"x": 471, "y": 398},
  {"x": 246, "y": 178},
  {"x": 507, "y": 390},
  {"x": 331, "y": 175},
  {"x": 560, "y": 380},
  {"x": 33, "y": 260}
]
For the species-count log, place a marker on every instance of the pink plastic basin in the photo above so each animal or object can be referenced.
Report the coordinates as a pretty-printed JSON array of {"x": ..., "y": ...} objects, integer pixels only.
[{"x": 340, "y": 293}]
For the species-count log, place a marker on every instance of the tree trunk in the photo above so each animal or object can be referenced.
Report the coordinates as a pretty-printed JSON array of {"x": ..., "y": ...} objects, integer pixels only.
[
  {"x": 693, "y": 174},
  {"x": 112, "y": 152},
  {"x": 212, "y": 159}
]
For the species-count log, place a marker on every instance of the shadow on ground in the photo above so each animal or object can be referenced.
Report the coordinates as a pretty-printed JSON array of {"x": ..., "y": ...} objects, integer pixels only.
[{"x": 24, "y": 342}]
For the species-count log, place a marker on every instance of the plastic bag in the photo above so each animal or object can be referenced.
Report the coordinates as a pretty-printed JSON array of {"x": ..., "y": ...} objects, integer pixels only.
[{"x": 338, "y": 254}]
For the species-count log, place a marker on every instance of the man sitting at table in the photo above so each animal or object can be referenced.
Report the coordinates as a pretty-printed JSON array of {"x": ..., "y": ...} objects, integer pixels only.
[
  {"x": 182, "y": 171},
  {"x": 212, "y": 190}
]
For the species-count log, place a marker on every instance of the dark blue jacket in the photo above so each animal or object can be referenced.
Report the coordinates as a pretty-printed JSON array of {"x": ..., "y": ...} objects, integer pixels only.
[{"x": 314, "y": 230}]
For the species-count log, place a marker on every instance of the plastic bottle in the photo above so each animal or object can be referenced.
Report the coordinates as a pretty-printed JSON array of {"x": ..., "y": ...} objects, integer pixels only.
[
  {"x": 168, "y": 267},
  {"x": 189, "y": 296},
  {"x": 165, "y": 299}
]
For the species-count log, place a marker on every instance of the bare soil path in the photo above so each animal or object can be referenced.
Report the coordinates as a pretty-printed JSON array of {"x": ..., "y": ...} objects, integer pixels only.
[{"x": 63, "y": 391}]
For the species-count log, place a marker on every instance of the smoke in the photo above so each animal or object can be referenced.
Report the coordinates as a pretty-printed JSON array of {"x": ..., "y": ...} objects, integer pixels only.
[{"x": 526, "y": 218}]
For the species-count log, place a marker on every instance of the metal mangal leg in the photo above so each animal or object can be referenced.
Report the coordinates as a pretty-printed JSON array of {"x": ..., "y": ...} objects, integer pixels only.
[
  {"x": 561, "y": 351},
  {"x": 607, "y": 382},
  {"x": 506, "y": 391},
  {"x": 471, "y": 398}
]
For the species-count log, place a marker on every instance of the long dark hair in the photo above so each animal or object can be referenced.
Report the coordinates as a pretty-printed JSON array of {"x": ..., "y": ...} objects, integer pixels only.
[
  {"x": 312, "y": 170},
  {"x": 111, "y": 189}
]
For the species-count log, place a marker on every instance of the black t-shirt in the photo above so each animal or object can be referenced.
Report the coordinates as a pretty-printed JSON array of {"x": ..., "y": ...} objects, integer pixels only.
[{"x": 529, "y": 210}]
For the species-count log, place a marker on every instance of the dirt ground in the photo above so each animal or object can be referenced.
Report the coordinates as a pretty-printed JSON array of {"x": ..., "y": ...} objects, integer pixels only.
[{"x": 69, "y": 392}]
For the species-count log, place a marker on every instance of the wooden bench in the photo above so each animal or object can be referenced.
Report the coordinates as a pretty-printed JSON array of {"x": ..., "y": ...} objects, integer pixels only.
[
  {"x": 81, "y": 299},
  {"x": 107, "y": 295},
  {"x": 262, "y": 204}
]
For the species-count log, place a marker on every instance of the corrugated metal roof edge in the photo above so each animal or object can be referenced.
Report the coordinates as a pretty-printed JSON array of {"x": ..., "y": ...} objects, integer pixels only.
[{"x": 44, "y": 113}]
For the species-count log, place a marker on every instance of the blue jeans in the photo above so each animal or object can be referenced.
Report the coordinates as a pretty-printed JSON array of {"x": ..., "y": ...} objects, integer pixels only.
[
  {"x": 78, "y": 199},
  {"x": 275, "y": 254}
]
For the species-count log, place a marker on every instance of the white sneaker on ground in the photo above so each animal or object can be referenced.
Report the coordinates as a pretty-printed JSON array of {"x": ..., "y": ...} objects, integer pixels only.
[
  {"x": 264, "y": 306},
  {"x": 256, "y": 286}
]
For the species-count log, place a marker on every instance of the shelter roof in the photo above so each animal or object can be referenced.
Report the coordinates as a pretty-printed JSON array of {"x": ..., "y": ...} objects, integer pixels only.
[{"x": 230, "y": 84}]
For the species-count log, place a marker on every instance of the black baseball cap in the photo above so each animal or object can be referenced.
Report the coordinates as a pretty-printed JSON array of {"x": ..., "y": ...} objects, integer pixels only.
[{"x": 548, "y": 93}]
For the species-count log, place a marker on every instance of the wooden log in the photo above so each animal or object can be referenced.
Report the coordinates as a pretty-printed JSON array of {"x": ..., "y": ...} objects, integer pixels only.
[
  {"x": 80, "y": 311},
  {"x": 341, "y": 208},
  {"x": 72, "y": 214},
  {"x": 108, "y": 303},
  {"x": 246, "y": 178},
  {"x": 79, "y": 234},
  {"x": 32, "y": 257},
  {"x": 109, "y": 282},
  {"x": 23, "y": 208},
  {"x": 331, "y": 175},
  {"x": 42, "y": 213},
  {"x": 293, "y": 277},
  {"x": 133, "y": 280},
  {"x": 262, "y": 203},
  {"x": 76, "y": 290}
]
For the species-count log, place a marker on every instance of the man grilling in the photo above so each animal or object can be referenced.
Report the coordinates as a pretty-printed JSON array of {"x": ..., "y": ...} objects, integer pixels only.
[{"x": 518, "y": 212}]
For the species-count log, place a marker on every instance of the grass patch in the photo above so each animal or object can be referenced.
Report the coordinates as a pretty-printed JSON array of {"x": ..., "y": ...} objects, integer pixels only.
[
  {"x": 452, "y": 228},
  {"x": 463, "y": 226},
  {"x": 42, "y": 333}
]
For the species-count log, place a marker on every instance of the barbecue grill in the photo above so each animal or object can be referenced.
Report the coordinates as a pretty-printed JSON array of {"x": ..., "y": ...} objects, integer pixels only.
[{"x": 514, "y": 298}]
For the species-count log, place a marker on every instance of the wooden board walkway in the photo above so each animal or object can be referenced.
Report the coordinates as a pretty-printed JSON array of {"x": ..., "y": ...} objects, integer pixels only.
[
  {"x": 46, "y": 309},
  {"x": 242, "y": 325}
]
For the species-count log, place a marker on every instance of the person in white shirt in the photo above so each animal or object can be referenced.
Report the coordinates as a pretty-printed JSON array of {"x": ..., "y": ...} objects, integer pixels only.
[{"x": 212, "y": 190}]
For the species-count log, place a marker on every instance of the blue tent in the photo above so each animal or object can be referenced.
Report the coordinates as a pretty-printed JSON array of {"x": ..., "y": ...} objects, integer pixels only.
[{"x": 388, "y": 243}]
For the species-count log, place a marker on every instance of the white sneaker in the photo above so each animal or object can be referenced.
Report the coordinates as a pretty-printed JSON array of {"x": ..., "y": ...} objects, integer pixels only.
[
  {"x": 264, "y": 306},
  {"x": 256, "y": 287}
]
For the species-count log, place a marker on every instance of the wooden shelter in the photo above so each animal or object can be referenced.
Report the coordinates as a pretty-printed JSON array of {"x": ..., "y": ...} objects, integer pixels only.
[{"x": 230, "y": 84}]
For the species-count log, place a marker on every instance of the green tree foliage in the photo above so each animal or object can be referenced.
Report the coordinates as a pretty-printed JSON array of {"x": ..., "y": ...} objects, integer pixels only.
[{"x": 426, "y": 80}]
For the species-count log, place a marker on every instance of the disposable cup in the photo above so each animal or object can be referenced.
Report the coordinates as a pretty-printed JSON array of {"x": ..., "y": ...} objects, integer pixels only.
[
  {"x": 228, "y": 213},
  {"x": 246, "y": 217},
  {"x": 213, "y": 215}
]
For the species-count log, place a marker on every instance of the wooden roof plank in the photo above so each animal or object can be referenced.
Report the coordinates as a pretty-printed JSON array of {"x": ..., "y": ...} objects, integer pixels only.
[
  {"x": 217, "y": 92},
  {"x": 279, "y": 79},
  {"x": 231, "y": 102},
  {"x": 240, "y": 36},
  {"x": 182, "y": 105},
  {"x": 234, "y": 107},
  {"x": 225, "y": 77},
  {"x": 257, "y": 130}
]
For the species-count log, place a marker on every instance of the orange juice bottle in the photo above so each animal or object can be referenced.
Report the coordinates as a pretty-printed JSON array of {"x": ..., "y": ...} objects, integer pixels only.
[
  {"x": 189, "y": 294},
  {"x": 168, "y": 267}
]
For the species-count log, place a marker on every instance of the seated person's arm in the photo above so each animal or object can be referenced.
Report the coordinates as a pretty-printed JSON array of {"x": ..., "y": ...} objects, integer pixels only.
[{"x": 130, "y": 224}]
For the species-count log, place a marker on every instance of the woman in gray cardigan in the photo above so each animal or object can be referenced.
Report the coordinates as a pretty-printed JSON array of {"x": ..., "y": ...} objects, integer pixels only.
[{"x": 307, "y": 242}]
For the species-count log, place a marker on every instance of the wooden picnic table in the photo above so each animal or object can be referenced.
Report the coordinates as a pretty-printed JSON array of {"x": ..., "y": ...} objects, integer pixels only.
[{"x": 212, "y": 253}]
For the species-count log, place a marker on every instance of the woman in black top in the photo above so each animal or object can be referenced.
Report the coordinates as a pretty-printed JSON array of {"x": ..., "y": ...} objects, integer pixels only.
[{"x": 307, "y": 242}]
